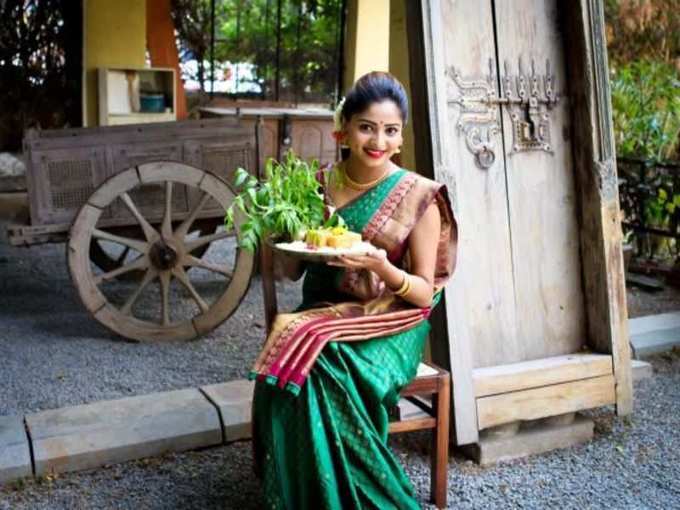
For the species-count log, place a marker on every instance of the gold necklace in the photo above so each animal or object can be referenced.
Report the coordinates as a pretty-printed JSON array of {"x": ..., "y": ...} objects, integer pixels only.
[{"x": 361, "y": 186}]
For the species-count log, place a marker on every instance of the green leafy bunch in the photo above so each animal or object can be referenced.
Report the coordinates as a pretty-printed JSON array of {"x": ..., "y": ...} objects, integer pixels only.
[{"x": 284, "y": 206}]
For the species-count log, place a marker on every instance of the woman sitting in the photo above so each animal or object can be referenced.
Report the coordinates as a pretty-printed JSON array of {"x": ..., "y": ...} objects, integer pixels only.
[{"x": 358, "y": 336}]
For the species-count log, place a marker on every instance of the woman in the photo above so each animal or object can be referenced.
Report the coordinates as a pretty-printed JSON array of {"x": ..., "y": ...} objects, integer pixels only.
[{"x": 358, "y": 336}]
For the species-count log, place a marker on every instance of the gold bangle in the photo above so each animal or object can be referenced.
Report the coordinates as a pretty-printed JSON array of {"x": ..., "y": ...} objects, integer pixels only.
[
  {"x": 408, "y": 288},
  {"x": 405, "y": 286}
]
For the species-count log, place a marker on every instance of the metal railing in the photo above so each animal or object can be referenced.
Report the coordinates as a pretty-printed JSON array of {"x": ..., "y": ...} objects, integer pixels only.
[{"x": 649, "y": 194}]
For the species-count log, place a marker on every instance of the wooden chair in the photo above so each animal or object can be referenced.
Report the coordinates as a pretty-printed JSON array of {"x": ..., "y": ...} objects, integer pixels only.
[{"x": 430, "y": 381}]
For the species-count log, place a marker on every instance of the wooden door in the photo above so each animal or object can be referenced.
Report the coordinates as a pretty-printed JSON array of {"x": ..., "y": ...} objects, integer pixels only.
[
  {"x": 500, "y": 89},
  {"x": 519, "y": 235}
]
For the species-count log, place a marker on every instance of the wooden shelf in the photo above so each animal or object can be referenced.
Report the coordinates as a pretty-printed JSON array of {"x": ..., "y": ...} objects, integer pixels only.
[{"x": 120, "y": 91}]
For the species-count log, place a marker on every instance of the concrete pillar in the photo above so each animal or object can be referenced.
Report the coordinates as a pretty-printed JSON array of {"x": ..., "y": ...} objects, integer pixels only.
[
  {"x": 399, "y": 67},
  {"x": 114, "y": 35},
  {"x": 367, "y": 40}
]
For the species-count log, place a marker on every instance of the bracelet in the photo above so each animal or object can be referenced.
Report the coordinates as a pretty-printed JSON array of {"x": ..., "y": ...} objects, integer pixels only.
[{"x": 405, "y": 286}]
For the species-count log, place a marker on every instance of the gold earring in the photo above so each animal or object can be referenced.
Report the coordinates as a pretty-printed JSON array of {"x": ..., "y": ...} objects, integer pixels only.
[{"x": 398, "y": 151}]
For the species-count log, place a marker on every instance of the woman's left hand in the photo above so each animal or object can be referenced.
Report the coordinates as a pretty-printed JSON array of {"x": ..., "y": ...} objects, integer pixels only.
[{"x": 374, "y": 261}]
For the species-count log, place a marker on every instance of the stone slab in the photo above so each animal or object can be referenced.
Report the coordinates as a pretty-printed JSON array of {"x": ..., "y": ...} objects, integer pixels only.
[
  {"x": 234, "y": 400},
  {"x": 654, "y": 342},
  {"x": 650, "y": 323},
  {"x": 15, "y": 453},
  {"x": 641, "y": 370},
  {"x": 112, "y": 431},
  {"x": 545, "y": 436}
]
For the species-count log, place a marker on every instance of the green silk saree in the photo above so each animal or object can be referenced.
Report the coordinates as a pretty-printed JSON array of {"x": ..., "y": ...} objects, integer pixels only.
[{"x": 343, "y": 358}]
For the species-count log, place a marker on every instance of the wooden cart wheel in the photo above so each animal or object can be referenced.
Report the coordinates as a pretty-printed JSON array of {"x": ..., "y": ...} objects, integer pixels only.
[
  {"x": 164, "y": 254},
  {"x": 107, "y": 260}
]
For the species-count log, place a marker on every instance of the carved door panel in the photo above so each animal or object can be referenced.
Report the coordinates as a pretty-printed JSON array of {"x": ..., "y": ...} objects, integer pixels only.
[{"x": 508, "y": 113}]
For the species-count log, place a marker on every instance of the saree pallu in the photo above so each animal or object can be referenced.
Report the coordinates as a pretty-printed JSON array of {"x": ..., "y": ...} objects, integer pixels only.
[{"x": 323, "y": 443}]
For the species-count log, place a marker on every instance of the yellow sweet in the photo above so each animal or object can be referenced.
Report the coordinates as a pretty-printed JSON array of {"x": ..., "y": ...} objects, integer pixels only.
[
  {"x": 345, "y": 240},
  {"x": 336, "y": 237},
  {"x": 317, "y": 237}
]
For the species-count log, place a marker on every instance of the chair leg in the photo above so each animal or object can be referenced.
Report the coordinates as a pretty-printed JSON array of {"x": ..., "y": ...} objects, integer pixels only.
[{"x": 440, "y": 453}]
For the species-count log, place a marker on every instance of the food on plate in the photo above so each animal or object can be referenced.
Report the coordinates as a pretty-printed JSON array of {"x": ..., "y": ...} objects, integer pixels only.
[{"x": 335, "y": 237}]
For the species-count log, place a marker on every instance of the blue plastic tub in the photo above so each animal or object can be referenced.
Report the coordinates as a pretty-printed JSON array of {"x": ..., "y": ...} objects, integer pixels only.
[{"x": 152, "y": 103}]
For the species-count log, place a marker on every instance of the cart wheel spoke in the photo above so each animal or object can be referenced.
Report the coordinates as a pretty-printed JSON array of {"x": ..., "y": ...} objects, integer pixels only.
[
  {"x": 166, "y": 227},
  {"x": 149, "y": 232},
  {"x": 146, "y": 280},
  {"x": 164, "y": 279},
  {"x": 192, "y": 261},
  {"x": 139, "y": 263},
  {"x": 181, "y": 275},
  {"x": 183, "y": 229},
  {"x": 200, "y": 241},
  {"x": 135, "y": 244}
]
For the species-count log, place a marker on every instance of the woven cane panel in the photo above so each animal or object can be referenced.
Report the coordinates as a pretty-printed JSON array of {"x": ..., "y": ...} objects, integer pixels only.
[{"x": 71, "y": 183}]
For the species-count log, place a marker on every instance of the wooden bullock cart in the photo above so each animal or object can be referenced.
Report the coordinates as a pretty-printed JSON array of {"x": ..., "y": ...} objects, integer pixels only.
[{"x": 142, "y": 203}]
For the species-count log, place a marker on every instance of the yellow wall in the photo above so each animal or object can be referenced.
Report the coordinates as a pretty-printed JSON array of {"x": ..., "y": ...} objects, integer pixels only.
[
  {"x": 376, "y": 41},
  {"x": 367, "y": 39},
  {"x": 114, "y": 35},
  {"x": 398, "y": 66}
]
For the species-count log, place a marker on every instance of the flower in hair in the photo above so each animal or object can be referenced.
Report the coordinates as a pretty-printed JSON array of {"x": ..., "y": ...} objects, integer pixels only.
[{"x": 337, "y": 120}]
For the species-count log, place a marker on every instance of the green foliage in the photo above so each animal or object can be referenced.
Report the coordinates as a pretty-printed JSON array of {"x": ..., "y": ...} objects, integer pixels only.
[
  {"x": 646, "y": 110},
  {"x": 246, "y": 31},
  {"x": 40, "y": 75},
  {"x": 308, "y": 39},
  {"x": 659, "y": 209},
  {"x": 283, "y": 206}
]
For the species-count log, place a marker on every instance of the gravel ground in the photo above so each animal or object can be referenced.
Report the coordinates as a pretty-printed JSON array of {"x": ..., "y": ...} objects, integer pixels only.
[
  {"x": 642, "y": 302},
  {"x": 54, "y": 354},
  {"x": 631, "y": 463}
]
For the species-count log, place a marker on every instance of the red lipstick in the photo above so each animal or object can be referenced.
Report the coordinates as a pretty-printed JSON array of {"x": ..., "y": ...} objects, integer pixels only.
[{"x": 373, "y": 153}]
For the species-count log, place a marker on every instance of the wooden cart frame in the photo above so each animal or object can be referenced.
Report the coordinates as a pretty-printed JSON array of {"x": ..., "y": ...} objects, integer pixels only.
[{"x": 159, "y": 192}]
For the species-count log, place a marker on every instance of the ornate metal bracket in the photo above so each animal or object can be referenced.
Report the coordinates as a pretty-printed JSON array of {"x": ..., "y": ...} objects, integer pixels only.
[
  {"x": 478, "y": 119},
  {"x": 528, "y": 98}
]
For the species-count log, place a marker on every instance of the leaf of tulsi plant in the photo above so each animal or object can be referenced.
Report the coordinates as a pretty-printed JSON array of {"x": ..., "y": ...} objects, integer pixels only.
[{"x": 283, "y": 206}]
